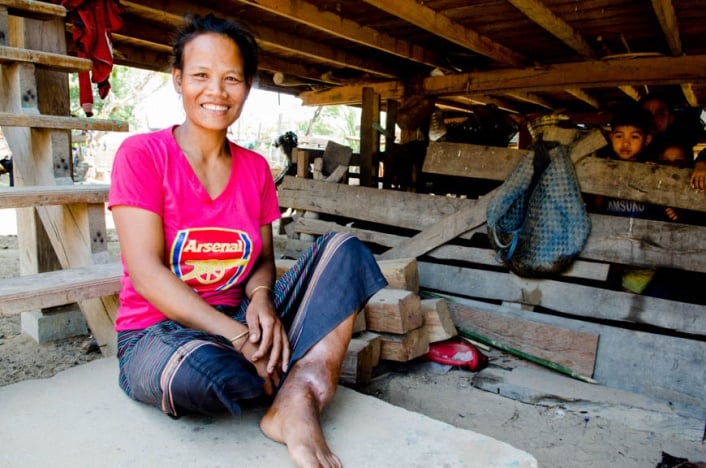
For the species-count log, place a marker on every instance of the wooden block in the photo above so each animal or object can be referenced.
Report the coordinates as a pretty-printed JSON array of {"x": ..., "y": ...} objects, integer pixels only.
[
  {"x": 437, "y": 320},
  {"x": 394, "y": 311},
  {"x": 335, "y": 155},
  {"x": 362, "y": 355},
  {"x": 401, "y": 273},
  {"x": 403, "y": 348},
  {"x": 359, "y": 324}
]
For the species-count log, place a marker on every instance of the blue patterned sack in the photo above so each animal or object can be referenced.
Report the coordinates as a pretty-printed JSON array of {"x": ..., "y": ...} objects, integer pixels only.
[{"x": 537, "y": 222}]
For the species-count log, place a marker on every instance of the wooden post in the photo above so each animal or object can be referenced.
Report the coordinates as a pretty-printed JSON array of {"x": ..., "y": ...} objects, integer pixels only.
[
  {"x": 390, "y": 122},
  {"x": 302, "y": 158},
  {"x": 389, "y": 154},
  {"x": 369, "y": 137},
  {"x": 4, "y": 26}
]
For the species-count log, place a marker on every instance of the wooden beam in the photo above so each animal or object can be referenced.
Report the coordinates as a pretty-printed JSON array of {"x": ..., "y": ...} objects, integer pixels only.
[
  {"x": 661, "y": 185},
  {"x": 442, "y": 26},
  {"x": 631, "y": 92},
  {"x": 572, "y": 299},
  {"x": 687, "y": 90},
  {"x": 613, "y": 238},
  {"x": 33, "y": 9},
  {"x": 669, "y": 24},
  {"x": 269, "y": 39},
  {"x": 476, "y": 99},
  {"x": 481, "y": 256},
  {"x": 390, "y": 207},
  {"x": 532, "y": 99},
  {"x": 57, "y": 62},
  {"x": 664, "y": 9},
  {"x": 607, "y": 73},
  {"x": 130, "y": 55},
  {"x": 448, "y": 228},
  {"x": 21, "y": 197},
  {"x": 544, "y": 17},
  {"x": 603, "y": 73},
  {"x": 289, "y": 68},
  {"x": 61, "y": 122},
  {"x": 311, "y": 15},
  {"x": 583, "y": 96},
  {"x": 352, "y": 95}
]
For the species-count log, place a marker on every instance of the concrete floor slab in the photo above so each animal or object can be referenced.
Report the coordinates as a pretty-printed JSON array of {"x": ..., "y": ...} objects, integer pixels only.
[{"x": 81, "y": 418}]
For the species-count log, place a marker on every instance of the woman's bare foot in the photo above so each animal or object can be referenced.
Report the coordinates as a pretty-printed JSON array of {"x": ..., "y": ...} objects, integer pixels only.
[{"x": 294, "y": 420}]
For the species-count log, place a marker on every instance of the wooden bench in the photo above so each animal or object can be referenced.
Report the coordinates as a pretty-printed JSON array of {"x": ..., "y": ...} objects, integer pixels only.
[
  {"x": 23, "y": 197},
  {"x": 57, "y": 288},
  {"x": 96, "y": 281}
]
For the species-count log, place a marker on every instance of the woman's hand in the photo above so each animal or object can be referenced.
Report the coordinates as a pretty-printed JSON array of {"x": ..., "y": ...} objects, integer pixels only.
[
  {"x": 271, "y": 379},
  {"x": 267, "y": 333}
]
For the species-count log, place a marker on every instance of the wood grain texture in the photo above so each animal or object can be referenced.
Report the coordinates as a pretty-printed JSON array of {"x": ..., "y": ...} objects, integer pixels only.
[{"x": 570, "y": 348}]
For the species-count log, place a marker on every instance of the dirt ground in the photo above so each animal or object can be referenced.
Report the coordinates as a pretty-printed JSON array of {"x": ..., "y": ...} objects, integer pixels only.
[{"x": 558, "y": 435}]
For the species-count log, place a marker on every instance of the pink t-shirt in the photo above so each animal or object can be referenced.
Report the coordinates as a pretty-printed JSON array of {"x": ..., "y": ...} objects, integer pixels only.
[{"x": 210, "y": 244}]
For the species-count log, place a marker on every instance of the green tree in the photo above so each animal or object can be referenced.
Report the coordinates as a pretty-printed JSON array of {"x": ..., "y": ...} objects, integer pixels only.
[
  {"x": 339, "y": 123},
  {"x": 128, "y": 87}
]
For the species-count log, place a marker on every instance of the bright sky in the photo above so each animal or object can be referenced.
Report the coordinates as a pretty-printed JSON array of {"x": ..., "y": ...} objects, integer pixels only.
[{"x": 163, "y": 108}]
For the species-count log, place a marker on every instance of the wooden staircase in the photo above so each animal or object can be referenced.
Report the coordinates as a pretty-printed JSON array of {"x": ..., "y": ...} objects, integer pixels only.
[{"x": 61, "y": 226}]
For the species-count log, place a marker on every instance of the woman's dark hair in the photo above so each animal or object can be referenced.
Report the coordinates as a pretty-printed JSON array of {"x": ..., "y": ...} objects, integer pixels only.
[{"x": 240, "y": 34}]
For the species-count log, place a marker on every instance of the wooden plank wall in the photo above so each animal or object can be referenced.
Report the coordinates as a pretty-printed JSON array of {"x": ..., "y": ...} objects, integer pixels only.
[{"x": 581, "y": 298}]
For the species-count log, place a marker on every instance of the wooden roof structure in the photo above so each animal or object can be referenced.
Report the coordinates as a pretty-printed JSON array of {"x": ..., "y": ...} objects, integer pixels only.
[{"x": 526, "y": 56}]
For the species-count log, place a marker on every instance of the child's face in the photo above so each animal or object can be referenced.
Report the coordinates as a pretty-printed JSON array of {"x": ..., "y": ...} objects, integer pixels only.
[
  {"x": 662, "y": 117},
  {"x": 674, "y": 156},
  {"x": 628, "y": 141}
]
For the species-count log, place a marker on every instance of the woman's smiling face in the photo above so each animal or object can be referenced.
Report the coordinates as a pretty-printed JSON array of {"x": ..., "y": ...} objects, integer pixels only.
[{"x": 212, "y": 82}]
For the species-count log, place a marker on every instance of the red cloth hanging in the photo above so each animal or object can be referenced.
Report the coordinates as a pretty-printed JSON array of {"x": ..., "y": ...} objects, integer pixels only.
[{"x": 93, "y": 24}]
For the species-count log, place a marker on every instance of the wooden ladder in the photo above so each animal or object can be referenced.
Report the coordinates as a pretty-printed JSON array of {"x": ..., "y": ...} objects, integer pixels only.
[{"x": 61, "y": 226}]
